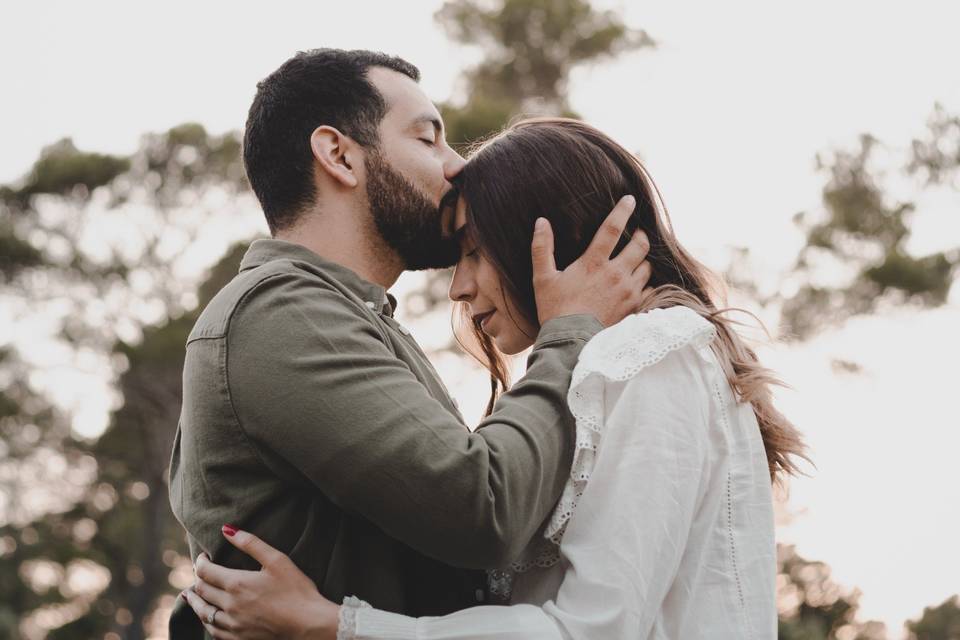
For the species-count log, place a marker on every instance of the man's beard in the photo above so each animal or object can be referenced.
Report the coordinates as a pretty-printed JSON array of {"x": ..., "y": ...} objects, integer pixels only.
[{"x": 406, "y": 219}]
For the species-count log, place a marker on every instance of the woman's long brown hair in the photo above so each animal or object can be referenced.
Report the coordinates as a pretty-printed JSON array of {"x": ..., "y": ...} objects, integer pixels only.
[{"x": 572, "y": 174}]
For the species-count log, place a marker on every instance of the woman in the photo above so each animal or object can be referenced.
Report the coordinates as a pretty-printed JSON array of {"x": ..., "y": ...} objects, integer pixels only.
[{"x": 665, "y": 527}]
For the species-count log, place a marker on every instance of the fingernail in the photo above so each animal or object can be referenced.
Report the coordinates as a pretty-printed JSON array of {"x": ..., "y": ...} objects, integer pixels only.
[
  {"x": 541, "y": 224},
  {"x": 229, "y": 529},
  {"x": 631, "y": 200}
]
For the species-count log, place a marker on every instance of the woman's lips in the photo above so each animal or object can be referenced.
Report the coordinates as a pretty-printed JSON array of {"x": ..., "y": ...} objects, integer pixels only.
[{"x": 483, "y": 318}]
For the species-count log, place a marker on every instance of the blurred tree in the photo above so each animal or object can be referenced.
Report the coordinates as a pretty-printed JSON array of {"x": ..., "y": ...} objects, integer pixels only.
[
  {"x": 937, "y": 623},
  {"x": 814, "y": 607},
  {"x": 864, "y": 232},
  {"x": 88, "y": 545},
  {"x": 937, "y": 156},
  {"x": 102, "y": 247},
  {"x": 529, "y": 49}
]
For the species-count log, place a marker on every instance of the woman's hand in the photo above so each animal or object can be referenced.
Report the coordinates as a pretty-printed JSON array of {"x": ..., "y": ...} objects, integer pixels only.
[{"x": 278, "y": 601}]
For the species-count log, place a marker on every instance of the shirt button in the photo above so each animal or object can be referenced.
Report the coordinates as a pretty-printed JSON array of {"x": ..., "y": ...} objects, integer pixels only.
[
  {"x": 480, "y": 595},
  {"x": 372, "y": 305}
]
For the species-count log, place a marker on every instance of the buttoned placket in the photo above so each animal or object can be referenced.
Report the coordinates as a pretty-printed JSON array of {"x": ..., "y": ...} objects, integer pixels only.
[{"x": 381, "y": 308}]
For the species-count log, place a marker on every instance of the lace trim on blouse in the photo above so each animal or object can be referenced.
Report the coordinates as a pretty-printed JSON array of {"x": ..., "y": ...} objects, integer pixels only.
[{"x": 347, "y": 618}]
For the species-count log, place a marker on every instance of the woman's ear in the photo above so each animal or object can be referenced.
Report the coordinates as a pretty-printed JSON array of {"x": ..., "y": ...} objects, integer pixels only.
[{"x": 336, "y": 154}]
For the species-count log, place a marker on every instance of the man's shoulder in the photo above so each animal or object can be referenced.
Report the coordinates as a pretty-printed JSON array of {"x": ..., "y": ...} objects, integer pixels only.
[{"x": 267, "y": 288}]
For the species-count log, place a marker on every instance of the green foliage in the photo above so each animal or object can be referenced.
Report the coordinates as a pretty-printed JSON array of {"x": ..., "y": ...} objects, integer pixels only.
[
  {"x": 866, "y": 231},
  {"x": 63, "y": 170},
  {"x": 938, "y": 155},
  {"x": 137, "y": 539},
  {"x": 928, "y": 278},
  {"x": 530, "y": 47},
  {"x": 938, "y": 623},
  {"x": 813, "y": 606},
  {"x": 15, "y": 254},
  {"x": 114, "y": 515}
]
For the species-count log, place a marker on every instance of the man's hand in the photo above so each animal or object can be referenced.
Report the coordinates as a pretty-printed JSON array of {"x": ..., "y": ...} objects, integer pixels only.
[{"x": 594, "y": 284}]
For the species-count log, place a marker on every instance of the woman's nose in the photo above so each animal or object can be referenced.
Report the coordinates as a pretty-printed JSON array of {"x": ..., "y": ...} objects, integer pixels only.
[{"x": 462, "y": 287}]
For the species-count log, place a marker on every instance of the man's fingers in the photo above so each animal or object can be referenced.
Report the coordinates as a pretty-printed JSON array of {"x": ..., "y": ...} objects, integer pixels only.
[
  {"x": 634, "y": 252},
  {"x": 641, "y": 276},
  {"x": 612, "y": 228},
  {"x": 253, "y": 546},
  {"x": 542, "y": 250}
]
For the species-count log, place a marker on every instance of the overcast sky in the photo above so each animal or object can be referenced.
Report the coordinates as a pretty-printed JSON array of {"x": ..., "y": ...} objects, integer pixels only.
[{"x": 728, "y": 113}]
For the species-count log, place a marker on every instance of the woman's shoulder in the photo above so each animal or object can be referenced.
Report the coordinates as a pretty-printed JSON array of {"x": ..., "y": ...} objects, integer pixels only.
[
  {"x": 640, "y": 341},
  {"x": 621, "y": 354}
]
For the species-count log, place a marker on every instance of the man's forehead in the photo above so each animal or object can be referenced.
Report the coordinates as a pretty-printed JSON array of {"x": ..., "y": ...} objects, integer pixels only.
[{"x": 403, "y": 95}]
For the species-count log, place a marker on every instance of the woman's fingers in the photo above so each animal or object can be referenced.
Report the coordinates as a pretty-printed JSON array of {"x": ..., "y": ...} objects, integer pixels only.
[
  {"x": 218, "y": 633},
  {"x": 218, "y": 575},
  {"x": 253, "y": 546},
  {"x": 212, "y": 595},
  {"x": 222, "y": 622}
]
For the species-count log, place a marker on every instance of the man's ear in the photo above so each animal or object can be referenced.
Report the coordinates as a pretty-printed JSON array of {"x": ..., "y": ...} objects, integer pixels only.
[{"x": 336, "y": 154}]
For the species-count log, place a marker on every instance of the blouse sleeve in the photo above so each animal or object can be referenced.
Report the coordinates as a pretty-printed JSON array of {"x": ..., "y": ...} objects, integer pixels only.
[{"x": 623, "y": 544}]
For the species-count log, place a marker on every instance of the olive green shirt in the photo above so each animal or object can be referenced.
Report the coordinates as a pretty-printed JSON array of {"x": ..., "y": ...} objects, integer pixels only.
[{"x": 313, "y": 419}]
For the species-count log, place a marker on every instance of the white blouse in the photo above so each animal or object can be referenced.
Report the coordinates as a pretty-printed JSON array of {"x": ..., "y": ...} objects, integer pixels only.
[{"x": 665, "y": 527}]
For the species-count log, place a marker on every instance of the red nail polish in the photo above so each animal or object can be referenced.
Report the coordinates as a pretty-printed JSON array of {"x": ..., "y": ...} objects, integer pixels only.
[{"x": 229, "y": 529}]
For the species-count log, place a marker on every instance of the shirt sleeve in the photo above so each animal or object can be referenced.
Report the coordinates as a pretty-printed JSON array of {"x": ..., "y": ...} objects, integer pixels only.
[
  {"x": 625, "y": 540},
  {"x": 314, "y": 384}
]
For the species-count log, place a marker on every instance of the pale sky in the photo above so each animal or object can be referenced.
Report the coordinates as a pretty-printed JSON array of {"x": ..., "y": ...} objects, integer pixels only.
[{"x": 728, "y": 113}]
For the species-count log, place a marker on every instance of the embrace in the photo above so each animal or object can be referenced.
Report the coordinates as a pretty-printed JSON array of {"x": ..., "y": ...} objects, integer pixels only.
[{"x": 622, "y": 488}]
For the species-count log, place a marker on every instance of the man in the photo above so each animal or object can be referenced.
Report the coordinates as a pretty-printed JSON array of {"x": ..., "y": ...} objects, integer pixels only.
[{"x": 310, "y": 416}]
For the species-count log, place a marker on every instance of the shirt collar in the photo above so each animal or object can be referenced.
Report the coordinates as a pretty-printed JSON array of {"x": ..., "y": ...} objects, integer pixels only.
[{"x": 264, "y": 250}]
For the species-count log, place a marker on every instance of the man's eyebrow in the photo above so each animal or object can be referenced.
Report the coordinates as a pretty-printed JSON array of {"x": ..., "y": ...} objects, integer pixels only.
[{"x": 430, "y": 119}]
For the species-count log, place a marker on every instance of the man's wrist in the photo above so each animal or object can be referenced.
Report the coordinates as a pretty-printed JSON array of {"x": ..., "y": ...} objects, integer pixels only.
[{"x": 582, "y": 326}]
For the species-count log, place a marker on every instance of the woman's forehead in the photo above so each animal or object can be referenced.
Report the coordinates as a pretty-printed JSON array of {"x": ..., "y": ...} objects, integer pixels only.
[{"x": 460, "y": 213}]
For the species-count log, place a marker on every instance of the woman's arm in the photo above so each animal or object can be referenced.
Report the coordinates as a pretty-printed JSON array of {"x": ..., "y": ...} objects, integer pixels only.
[{"x": 624, "y": 543}]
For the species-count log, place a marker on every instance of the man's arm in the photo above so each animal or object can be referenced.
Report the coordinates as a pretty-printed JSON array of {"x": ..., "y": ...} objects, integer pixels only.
[
  {"x": 348, "y": 414},
  {"x": 354, "y": 420}
]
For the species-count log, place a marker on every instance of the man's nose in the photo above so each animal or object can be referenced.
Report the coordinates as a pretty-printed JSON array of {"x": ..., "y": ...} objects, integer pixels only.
[{"x": 452, "y": 165}]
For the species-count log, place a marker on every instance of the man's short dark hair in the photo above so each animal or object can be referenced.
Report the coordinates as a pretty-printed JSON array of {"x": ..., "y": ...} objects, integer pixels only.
[{"x": 311, "y": 89}]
